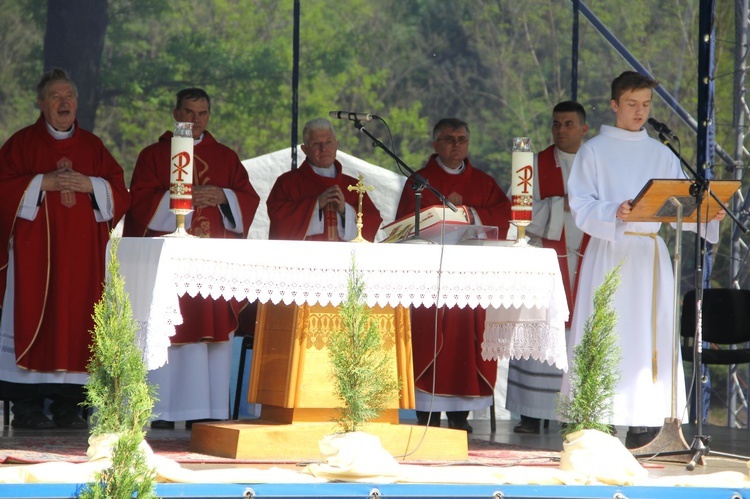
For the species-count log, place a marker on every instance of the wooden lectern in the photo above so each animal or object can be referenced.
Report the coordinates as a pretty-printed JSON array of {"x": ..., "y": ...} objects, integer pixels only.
[
  {"x": 290, "y": 377},
  {"x": 670, "y": 200},
  {"x": 656, "y": 201}
]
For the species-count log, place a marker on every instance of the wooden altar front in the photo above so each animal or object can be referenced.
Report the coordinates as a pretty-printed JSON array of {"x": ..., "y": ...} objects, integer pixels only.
[
  {"x": 291, "y": 377},
  {"x": 290, "y": 374}
]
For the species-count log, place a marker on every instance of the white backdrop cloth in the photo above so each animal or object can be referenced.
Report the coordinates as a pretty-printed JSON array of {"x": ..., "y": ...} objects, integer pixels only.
[{"x": 505, "y": 280}]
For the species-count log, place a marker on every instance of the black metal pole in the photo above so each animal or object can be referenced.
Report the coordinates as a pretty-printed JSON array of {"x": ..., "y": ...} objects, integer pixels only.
[
  {"x": 574, "y": 53},
  {"x": 706, "y": 33},
  {"x": 295, "y": 81}
]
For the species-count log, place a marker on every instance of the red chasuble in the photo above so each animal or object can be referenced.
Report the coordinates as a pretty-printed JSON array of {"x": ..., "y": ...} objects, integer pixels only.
[
  {"x": 551, "y": 184},
  {"x": 294, "y": 196},
  {"x": 59, "y": 257},
  {"x": 214, "y": 164},
  {"x": 459, "y": 367}
]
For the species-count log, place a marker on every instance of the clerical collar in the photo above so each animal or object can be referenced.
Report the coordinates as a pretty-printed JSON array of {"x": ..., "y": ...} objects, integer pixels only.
[
  {"x": 329, "y": 172},
  {"x": 452, "y": 171},
  {"x": 198, "y": 140},
  {"x": 58, "y": 135}
]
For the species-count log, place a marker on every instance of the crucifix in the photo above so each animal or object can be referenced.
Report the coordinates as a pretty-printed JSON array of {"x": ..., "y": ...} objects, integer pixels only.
[{"x": 361, "y": 188}]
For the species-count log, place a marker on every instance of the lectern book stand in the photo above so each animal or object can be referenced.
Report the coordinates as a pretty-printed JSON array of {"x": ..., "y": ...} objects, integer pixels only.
[
  {"x": 672, "y": 201},
  {"x": 656, "y": 201}
]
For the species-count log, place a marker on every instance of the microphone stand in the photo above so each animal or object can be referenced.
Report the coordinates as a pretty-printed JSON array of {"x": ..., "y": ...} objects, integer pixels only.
[
  {"x": 699, "y": 447},
  {"x": 419, "y": 183}
]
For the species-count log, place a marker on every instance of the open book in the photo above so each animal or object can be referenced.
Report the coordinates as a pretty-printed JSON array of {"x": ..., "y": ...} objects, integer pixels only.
[{"x": 438, "y": 224}]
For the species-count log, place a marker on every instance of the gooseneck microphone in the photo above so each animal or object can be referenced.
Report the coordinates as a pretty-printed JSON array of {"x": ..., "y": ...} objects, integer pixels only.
[
  {"x": 663, "y": 129},
  {"x": 348, "y": 115}
]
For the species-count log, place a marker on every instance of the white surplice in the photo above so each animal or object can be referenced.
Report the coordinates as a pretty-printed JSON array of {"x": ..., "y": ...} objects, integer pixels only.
[{"x": 609, "y": 169}]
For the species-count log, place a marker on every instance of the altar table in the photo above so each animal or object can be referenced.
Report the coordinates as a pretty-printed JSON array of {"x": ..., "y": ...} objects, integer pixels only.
[{"x": 520, "y": 287}]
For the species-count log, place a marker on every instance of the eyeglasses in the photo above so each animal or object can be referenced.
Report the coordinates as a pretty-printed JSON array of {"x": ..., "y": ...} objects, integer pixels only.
[{"x": 455, "y": 140}]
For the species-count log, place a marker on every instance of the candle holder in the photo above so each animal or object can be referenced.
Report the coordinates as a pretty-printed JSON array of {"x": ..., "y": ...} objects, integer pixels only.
[
  {"x": 522, "y": 187},
  {"x": 181, "y": 176}
]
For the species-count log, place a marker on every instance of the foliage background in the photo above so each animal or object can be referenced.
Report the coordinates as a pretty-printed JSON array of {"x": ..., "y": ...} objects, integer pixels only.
[{"x": 499, "y": 64}]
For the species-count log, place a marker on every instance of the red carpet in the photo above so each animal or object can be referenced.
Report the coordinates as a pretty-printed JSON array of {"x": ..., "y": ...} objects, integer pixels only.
[
  {"x": 494, "y": 454},
  {"x": 72, "y": 449}
]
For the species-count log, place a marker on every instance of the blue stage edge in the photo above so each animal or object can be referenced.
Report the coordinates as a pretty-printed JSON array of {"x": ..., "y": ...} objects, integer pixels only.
[{"x": 392, "y": 491}]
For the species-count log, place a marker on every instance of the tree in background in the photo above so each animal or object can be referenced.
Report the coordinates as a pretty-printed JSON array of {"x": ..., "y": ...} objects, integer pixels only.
[
  {"x": 498, "y": 64},
  {"x": 73, "y": 41}
]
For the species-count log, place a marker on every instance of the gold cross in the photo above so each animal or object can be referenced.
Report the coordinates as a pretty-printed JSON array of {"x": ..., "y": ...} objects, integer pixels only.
[{"x": 361, "y": 188}]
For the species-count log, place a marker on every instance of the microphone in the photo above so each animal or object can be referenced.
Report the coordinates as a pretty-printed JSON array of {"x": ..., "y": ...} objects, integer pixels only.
[
  {"x": 347, "y": 115},
  {"x": 663, "y": 129}
]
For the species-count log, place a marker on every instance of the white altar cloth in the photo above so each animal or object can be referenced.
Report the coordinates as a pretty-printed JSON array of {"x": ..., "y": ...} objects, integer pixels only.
[{"x": 509, "y": 282}]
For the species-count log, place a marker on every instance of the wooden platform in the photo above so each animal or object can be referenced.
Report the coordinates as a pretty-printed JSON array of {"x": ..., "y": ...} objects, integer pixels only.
[{"x": 299, "y": 441}]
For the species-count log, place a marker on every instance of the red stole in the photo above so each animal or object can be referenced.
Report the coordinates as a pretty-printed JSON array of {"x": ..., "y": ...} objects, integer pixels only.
[
  {"x": 552, "y": 184},
  {"x": 330, "y": 226}
]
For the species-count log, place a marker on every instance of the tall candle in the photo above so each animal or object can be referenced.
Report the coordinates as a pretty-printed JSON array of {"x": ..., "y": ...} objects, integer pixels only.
[
  {"x": 181, "y": 168},
  {"x": 522, "y": 181}
]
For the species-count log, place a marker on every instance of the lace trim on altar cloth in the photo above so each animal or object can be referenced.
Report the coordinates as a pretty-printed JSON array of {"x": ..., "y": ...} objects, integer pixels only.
[
  {"x": 326, "y": 286},
  {"x": 507, "y": 282},
  {"x": 536, "y": 340},
  {"x": 154, "y": 345}
]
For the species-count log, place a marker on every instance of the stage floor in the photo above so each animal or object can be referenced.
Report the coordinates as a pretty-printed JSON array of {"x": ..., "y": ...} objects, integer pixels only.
[{"x": 723, "y": 440}]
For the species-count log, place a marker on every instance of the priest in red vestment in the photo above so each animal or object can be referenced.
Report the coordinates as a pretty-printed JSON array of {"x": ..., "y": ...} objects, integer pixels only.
[
  {"x": 194, "y": 385},
  {"x": 534, "y": 386},
  {"x": 449, "y": 372},
  {"x": 62, "y": 193},
  {"x": 313, "y": 202}
]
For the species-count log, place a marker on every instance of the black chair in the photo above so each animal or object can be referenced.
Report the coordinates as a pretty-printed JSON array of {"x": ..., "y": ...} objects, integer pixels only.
[
  {"x": 493, "y": 423},
  {"x": 725, "y": 324},
  {"x": 247, "y": 344},
  {"x": 246, "y": 329}
]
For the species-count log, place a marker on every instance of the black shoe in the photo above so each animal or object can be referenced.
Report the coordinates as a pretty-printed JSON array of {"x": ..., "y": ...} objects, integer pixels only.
[
  {"x": 33, "y": 421},
  {"x": 639, "y": 436},
  {"x": 460, "y": 425},
  {"x": 528, "y": 426},
  {"x": 457, "y": 420},
  {"x": 70, "y": 420},
  {"x": 189, "y": 423},
  {"x": 423, "y": 416},
  {"x": 160, "y": 424}
]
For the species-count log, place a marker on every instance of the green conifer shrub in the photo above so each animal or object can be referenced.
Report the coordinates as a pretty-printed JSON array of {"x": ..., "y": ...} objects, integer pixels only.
[
  {"x": 360, "y": 367},
  {"x": 595, "y": 372},
  {"x": 119, "y": 391}
]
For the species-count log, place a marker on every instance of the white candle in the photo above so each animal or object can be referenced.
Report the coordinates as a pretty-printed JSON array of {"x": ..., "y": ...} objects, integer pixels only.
[
  {"x": 522, "y": 179},
  {"x": 181, "y": 168}
]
